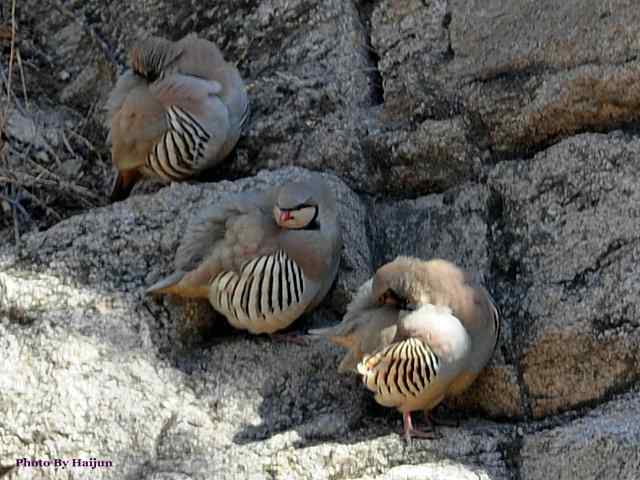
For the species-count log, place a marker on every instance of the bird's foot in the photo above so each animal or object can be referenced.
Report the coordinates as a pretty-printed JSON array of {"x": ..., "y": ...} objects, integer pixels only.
[
  {"x": 415, "y": 433},
  {"x": 411, "y": 432}
]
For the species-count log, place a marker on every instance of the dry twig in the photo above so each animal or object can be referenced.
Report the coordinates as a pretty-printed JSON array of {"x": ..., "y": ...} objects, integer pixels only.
[
  {"x": 13, "y": 47},
  {"x": 11, "y": 191},
  {"x": 32, "y": 184},
  {"x": 24, "y": 83}
]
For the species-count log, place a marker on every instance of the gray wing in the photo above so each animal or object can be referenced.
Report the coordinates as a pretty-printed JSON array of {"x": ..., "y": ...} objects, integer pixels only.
[
  {"x": 198, "y": 115},
  {"x": 365, "y": 328},
  {"x": 126, "y": 83},
  {"x": 210, "y": 227},
  {"x": 203, "y": 59}
]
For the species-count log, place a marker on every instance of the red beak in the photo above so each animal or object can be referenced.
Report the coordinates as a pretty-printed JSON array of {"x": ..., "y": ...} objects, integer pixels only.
[{"x": 285, "y": 215}]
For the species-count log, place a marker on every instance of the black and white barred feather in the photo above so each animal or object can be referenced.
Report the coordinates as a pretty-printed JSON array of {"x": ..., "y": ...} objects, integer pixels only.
[
  {"x": 269, "y": 290},
  {"x": 174, "y": 157}
]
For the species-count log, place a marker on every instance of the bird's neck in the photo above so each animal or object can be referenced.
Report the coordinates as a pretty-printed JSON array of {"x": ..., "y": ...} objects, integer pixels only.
[{"x": 308, "y": 249}]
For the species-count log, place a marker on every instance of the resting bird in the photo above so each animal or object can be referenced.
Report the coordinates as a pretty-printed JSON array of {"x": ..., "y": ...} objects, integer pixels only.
[
  {"x": 418, "y": 332},
  {"x": 178, "y": 111},
  {"x": 262, "y": 259}
]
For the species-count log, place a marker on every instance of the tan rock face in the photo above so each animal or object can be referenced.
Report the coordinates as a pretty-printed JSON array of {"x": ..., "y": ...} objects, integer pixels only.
[
  {"x": 536, "y": 72},
  {"x": 570, "y": 232},
  {"x": 587, "y": 97},
  {"x": 512, "y": 75},
  {"x": 500, "y": 36},
  {"x": 495, "y": 393},
  {"x": 576, "y": 365}
]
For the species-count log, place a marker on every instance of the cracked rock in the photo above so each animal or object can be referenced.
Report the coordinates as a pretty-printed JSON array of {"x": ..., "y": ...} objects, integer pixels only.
[{"x": 571, "y": 240}]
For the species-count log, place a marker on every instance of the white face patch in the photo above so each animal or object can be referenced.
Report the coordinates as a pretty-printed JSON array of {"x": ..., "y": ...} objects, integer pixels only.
[{"x": 295, "y": 218}]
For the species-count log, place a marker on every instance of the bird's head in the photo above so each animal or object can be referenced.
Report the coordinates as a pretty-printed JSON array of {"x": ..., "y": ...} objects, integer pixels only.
[
  {"x": 301, "y": 205},
  {"x": 395, "y": 284},
  {"x": 151, "y": 56}
]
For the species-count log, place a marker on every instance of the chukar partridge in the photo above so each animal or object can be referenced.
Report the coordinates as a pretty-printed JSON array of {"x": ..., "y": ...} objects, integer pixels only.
[
  {"x": 418, "y": 332},
  {"x": 178, "y": 111},
  {"x": 261, "y": 259}
]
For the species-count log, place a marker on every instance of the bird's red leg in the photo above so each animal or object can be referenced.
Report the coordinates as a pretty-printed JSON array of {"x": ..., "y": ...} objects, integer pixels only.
[{"x": 409, "y": 431}]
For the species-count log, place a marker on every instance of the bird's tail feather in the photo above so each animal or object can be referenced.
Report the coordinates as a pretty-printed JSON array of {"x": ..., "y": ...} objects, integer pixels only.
[
  {"x": 324, "y": 332},
  {"x": 123, "y": 183},
  {"x": 167, "y": 284}
]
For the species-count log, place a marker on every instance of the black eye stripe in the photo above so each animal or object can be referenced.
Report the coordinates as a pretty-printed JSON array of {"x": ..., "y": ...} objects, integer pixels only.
[
  {"x": 313, "y": 224},
  {"x": 299, "y": 207},
  {"x": 397, "y": 299}
]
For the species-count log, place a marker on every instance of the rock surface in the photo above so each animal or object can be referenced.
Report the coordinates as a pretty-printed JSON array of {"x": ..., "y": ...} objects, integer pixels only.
[
  {"x": 569, "y": 230},
  {"x": 602, "y": 444},
  {"x": 155, "y": 404},
  {"x": 499, "y": 134}
]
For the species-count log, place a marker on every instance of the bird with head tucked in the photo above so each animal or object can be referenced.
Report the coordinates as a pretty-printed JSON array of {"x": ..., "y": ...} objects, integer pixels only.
[
  {"x": 417, "y": 332},
  {"x": 262, "y": 259},
  {"x": 178, "y": 110}
]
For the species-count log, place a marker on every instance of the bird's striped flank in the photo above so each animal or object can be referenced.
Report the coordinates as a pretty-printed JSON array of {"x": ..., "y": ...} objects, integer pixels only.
[
  {"x": 174, "y": 157},
  {"x": 266, "y": 288},
  {"x": 404, "y": 369}
]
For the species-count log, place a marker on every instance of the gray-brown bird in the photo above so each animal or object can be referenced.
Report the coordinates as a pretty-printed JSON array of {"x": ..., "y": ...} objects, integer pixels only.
[
  {"x": 418, "y": 332},
  {"x": 178, "y": 111},
  {"x": 262, "y": 259}
]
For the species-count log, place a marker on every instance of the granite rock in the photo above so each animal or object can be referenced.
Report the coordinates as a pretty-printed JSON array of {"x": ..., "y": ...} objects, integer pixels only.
[
  {"x": 501, "y": 135},
  {"x": 601, "y": 444},
  {"x": 569, "y": 240}
]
